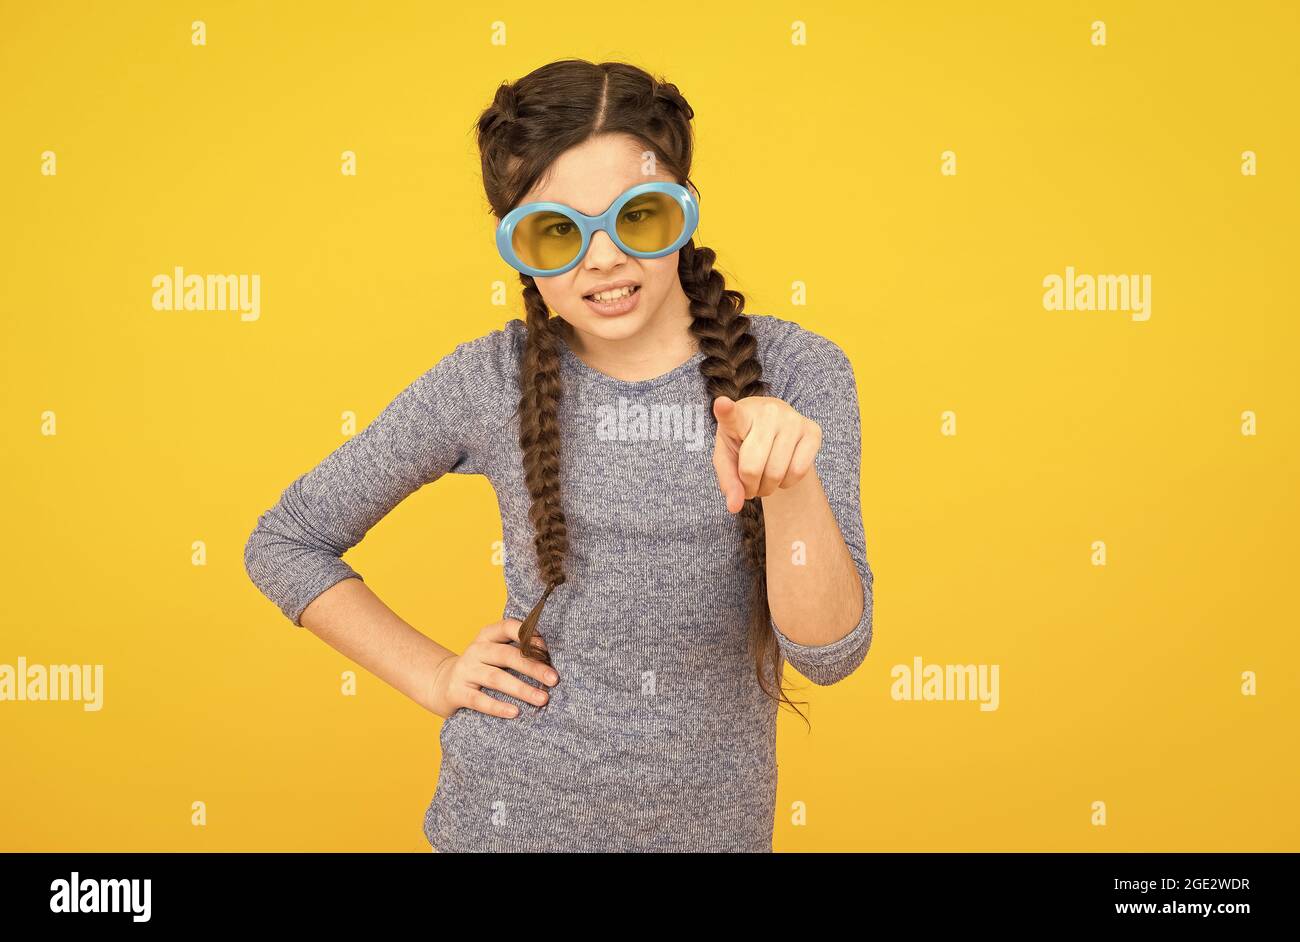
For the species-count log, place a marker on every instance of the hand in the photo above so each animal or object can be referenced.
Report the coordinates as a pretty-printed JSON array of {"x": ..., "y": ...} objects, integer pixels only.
[
  {"x": 458, "y": 680},
  {"x": 762, "y": 444}
]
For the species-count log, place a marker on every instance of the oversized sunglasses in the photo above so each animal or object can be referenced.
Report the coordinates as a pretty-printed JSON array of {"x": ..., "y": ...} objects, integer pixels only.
[{"x": 647, "y": 221}]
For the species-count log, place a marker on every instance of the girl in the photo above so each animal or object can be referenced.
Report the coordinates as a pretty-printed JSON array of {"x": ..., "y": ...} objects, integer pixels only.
[{"x": 676, "y": 479}]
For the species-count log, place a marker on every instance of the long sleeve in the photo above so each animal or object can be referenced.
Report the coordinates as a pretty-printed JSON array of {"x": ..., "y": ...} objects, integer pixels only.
[
  {"x": 436, "y": 425},
  {"x": 823, "y": 388}
]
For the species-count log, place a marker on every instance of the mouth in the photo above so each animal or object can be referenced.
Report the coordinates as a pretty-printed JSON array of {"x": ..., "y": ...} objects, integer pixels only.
[
  {"x": 634, "y": 288},
  {"x": 618, "y": 305}
]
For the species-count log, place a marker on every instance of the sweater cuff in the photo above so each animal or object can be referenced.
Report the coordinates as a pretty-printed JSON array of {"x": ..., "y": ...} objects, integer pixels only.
[
  {"x": 825, "y": 664},
  {"x": 306, "y": 593}
]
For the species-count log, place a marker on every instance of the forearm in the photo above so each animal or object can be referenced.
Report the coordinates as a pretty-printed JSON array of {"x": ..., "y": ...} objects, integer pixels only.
[
  {"x": 815, "y": 594},
  {"x": 351, "y": 619}
]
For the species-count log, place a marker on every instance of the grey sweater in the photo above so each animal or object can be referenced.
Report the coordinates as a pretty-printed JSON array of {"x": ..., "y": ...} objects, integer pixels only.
[{"x": 658, "y": 736}]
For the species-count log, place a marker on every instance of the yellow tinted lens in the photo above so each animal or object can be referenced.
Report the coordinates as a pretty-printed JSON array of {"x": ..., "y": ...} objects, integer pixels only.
[
  {"x": 650, "y": 222},
  {"x": 546, "y": 240}
]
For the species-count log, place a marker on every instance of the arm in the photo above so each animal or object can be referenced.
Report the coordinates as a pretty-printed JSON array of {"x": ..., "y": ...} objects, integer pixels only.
[
  {"x": 352, "y": 620},
  {"x": 294, "y": 555},
  {"x": 822, "y": 598},
  {"x": 816, "y": 594}
]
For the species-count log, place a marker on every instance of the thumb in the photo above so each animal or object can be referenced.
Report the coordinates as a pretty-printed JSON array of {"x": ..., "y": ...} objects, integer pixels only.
[{"x": 729, "y": 482}]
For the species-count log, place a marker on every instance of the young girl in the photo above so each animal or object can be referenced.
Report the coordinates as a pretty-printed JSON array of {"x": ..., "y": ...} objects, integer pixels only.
[{"x": 676, "y": 480}]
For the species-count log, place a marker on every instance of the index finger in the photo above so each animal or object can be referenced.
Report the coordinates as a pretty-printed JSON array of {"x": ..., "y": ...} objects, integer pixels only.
[{"x": 730, "y": 420}]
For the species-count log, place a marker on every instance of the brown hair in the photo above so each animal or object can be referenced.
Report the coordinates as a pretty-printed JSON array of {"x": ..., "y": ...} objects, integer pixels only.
[{"x": 529, "y": 124}]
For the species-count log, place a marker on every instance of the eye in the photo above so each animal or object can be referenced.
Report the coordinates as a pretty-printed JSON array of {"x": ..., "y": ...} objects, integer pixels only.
[
  {"x": 559, "y": 229},
  {"x": 641, "y": 215}
]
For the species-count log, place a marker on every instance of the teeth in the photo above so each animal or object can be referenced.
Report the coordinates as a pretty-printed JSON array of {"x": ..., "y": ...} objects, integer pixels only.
[{"x": 614, "y": 295}]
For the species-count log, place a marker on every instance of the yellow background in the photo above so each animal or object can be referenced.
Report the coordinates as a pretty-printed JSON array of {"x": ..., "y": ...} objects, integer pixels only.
[{"x": 816, "y": 163}]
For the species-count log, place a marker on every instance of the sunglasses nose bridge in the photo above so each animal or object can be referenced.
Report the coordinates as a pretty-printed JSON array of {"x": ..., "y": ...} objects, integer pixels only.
[{"x": 602, "y": 245}]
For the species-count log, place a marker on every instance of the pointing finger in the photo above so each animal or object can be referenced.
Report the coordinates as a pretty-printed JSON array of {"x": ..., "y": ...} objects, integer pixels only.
[{"x": 730, "y": 418}]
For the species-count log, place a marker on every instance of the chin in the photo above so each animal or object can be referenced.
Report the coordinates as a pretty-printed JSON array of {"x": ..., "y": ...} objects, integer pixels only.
[{"x": 618, "y": 328}]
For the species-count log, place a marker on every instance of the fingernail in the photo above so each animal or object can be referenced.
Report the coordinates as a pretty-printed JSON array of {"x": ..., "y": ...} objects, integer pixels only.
[{"x": 552, "y": 677}]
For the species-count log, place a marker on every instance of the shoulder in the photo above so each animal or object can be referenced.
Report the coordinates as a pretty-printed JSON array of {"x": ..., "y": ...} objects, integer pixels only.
[
  {"x": 486, "y": 366},
  {"x": 798, "y": 362},
  {"x": 479, "y": 378},
  {"x": 494, "y": 355}
]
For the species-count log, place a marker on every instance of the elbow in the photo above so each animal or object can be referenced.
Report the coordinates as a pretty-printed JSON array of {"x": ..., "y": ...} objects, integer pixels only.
[
  {"x": 267, "y": 567},
  {"x": 289, "y": 570},
  {"x": 250, "y": 555},
  {"x": 832, "y": 672},
  {"x": 255, "y": 555},
  {"x": 829, "y": 664}
]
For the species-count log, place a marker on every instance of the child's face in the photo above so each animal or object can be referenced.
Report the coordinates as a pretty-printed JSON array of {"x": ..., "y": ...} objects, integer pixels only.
[{"x": 589, "y": 178}]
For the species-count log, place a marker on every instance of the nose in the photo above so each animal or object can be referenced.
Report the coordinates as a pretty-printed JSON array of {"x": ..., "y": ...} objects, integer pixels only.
[{"x": 602, "y": 252}]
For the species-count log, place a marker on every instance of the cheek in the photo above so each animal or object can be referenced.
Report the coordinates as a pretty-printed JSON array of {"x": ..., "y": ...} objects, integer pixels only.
[
  {"x": 659, "y": 274},
  {"x": 557, "y": 292}
]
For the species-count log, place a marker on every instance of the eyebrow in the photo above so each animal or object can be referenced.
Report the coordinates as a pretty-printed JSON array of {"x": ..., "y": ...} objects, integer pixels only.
[{"x": 552, "y": 199}]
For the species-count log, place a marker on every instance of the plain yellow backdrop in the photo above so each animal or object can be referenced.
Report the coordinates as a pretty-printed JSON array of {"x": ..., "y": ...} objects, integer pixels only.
[{"x": 818, "y": 164}]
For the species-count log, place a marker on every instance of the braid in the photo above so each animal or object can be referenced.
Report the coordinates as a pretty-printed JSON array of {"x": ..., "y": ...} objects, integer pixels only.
[
  {"x": 539, "y": 437},
  {"x": 668, "y": 94},
  {"x": 731, "y": 368},
  {"x": 505, "y": 107},
  {"x": 497, "y": 129}
]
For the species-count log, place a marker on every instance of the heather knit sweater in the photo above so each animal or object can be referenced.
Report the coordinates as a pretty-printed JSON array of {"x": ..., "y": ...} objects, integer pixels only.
[{"x": 658, "y": 736}]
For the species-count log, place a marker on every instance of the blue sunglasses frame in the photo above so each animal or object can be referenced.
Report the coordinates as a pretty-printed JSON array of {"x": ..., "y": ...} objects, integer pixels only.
[{"x": 605, "y": 222}]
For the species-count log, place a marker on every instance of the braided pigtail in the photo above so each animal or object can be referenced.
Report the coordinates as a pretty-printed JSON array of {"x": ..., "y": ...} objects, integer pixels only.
[
  {"x": 731, "y": 368},
  {"x": 539, "y": 437}
]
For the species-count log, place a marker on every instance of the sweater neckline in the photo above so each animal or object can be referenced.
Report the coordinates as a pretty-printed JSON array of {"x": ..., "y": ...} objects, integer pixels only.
[{"x": 567, "y": 354}]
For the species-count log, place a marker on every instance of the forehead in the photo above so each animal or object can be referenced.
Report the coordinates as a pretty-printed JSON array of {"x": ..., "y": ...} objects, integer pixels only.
[{"x": 590, "y": 176}]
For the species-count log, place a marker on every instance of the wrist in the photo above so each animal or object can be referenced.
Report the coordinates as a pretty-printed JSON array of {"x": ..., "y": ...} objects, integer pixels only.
[
  {"x": 791, "y": 499},
  {"x": 433, "y": 698}
]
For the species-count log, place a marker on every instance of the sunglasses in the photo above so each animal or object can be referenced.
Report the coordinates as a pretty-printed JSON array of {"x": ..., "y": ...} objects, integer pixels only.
[{"x": 647, "y": 221}]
